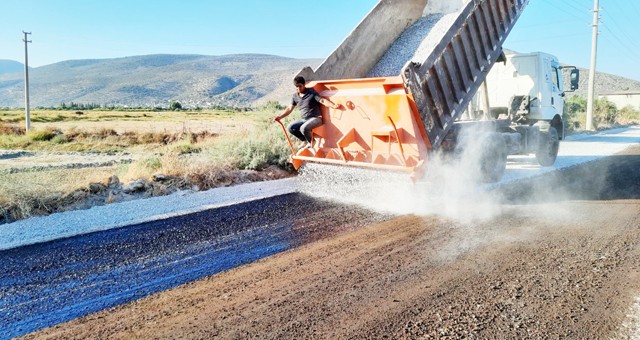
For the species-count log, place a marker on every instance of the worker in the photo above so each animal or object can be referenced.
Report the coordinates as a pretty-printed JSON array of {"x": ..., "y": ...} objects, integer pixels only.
[{"x": 308, "y": 101}]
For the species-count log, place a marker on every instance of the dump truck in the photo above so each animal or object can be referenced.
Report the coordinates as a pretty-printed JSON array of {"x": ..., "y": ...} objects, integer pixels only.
[{"x": 397, "y": 122}]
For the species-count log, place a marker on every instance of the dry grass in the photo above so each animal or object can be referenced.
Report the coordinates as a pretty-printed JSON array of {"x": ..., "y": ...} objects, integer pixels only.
[
  {"x": 163, "y": 143},
  {"x": 214, "y": 121},
  {"x": 11, "y": 129},
  {"x": 41, "y": 192}
]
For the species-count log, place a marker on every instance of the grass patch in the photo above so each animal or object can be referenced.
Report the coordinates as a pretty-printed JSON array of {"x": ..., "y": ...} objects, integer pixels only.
[
  {"x": 200, "y": 157},
  {"x": 10, "y": 129},
  {"x": 43, "y": 135},
  {"x": 38, "y": 193},
  {"x": 15, "y": 142}
]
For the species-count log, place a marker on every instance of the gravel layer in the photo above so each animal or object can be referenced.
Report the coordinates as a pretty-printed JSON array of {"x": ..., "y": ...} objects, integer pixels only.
[
  {"x": 71, "y": 223},
  {"x": 574, "y": 150}
]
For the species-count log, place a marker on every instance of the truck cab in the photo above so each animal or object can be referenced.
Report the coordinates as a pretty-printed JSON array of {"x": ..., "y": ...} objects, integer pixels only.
[{"x": 530, "y": 88}]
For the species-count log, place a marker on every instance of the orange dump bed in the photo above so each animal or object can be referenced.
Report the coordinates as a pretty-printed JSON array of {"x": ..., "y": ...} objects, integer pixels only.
[{"x": 377, "y": 126}]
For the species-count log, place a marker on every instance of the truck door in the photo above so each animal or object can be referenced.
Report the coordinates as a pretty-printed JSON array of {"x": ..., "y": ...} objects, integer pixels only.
[{"x": 557, "y": 101}]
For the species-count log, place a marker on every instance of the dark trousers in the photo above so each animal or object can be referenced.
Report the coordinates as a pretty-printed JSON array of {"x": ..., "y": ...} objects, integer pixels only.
[{"x": 302, "y": 128}]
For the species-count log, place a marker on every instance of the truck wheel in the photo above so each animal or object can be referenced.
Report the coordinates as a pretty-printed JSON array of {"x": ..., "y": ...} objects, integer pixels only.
[
  {"x": 494, "y": 159},
  {"x": 548, "y": 147}
]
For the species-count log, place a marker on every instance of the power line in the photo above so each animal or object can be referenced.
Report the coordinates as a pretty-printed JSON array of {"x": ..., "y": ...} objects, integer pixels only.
[
  {"x": 629, "y": 17},
  {"x": 578, "y": 8},
  {"x": 630, "y": 40},
  {"x": 552, "y": 37},
  {"x": 568, "y": 12},
  {"x": 635, "y": 7},
  {"x": 622, "y": 44}
]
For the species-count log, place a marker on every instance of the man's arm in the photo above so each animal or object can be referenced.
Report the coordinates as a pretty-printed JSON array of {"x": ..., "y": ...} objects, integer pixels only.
[
  {"x": 284, "y": 113},
  {"x": 326, "y": 102}
]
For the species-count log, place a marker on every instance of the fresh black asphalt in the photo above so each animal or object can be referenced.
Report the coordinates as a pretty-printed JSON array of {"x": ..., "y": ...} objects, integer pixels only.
[{"x": 45, "y": 284}]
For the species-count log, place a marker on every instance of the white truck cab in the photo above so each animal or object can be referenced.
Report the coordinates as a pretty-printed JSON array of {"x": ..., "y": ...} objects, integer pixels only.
[{"x": 530, "y": 86}]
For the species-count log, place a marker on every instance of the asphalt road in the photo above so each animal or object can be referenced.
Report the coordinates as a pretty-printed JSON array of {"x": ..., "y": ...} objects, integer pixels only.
[
  {"x": 49, "y": 283},
  {"x": 561, "y": 265}
]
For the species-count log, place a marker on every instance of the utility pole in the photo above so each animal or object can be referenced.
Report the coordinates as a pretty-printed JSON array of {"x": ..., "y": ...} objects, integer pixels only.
[
  {"x": 26, "y": 82},
  {"x": 592, "y": 69}
]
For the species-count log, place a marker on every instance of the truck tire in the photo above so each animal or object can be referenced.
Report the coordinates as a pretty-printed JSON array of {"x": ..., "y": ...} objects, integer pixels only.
[
  {"x": 494, "y": 159},
  {"x": 548, "y": 145}
]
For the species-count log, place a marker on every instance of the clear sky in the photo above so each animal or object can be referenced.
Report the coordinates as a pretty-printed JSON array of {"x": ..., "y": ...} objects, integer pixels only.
[{"x": 84, "y": 29}]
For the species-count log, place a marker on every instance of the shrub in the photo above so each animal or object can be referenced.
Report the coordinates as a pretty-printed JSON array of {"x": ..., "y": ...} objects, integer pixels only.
[
  {"x": 184, "y": 149},
  {"x": 153, "y": 163},
  {"x": 150, "y": 137},
  {"x": 604, "y": 112},
  {"x": 43, "y": 135},
  {"x": 629, "y": 115},
  {"x": 60, "y": 139},
  {"x": 104, "y": 132},
  {"x": 6, "y": 129},
  {"x": 252, "y": 151},
  {"x": 574, "y": 111}
]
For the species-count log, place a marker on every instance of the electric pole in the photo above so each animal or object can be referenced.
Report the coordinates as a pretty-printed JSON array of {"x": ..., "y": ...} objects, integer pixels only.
[
  {"x": 592, "y": 69},
  {"x": 26, "y": 82}
]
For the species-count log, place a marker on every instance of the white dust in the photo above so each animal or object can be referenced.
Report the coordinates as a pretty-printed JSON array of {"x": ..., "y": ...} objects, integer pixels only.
[{"x": 451, "y": 187}]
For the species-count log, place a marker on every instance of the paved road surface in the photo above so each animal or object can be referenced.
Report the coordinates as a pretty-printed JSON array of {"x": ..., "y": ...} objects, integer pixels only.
[{"x": 566, "y": 267}]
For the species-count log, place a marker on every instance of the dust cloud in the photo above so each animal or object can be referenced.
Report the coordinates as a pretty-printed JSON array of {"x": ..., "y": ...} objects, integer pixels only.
[
  {"x": 451, "y": 187},
  {"x": 471, "y": 209}
]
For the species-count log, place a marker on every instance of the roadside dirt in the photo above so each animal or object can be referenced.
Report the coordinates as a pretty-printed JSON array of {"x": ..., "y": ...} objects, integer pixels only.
[{"x": 565, "y": 268}]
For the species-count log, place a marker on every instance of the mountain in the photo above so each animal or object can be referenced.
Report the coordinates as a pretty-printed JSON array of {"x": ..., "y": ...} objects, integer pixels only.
[
  {"x": 155, "y": 80},
  {"x": 10, "y": 66},
  {"x": 193, "y": 80}
]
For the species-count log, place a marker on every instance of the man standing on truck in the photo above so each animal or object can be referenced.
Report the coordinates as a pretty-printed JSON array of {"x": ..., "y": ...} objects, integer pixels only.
[{"x": 308, "y": 101}]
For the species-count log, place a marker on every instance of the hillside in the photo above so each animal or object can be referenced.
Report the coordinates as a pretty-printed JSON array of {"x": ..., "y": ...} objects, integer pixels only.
[
  {"x": 605, "y": 82},
  {"x": 155, "y": 80},
  {"x": 193, "y": 80},
  {"x": 10, "y": 66}
]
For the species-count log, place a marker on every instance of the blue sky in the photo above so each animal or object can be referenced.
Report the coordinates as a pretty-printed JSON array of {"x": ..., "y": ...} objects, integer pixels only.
[{"x": 82, "y": 29}]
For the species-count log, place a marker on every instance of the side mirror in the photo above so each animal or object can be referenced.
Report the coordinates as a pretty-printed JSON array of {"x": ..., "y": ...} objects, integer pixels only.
[{"x": 575, "y": 79}]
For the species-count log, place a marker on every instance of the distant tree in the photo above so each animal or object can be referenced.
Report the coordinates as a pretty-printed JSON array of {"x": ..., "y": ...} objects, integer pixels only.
[
  {"x": 629, "y": 115},
  {"x": 175, "y": 106},
  {"x": 575, "y": 104},
  {"x": 273, "y": 105},
  {"x": 605, "y": 111},
  {"x": 575, "y": 108}
]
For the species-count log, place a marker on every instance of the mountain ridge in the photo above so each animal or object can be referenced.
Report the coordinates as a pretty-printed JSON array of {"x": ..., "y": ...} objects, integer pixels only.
[
  {"x": 155, "y": 80},
  {"x": 10, "y": 66},
  {"x": 194, "y": 80}
]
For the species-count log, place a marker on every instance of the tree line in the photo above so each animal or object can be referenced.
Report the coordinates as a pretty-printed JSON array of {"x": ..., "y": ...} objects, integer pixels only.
[{"x": 173, "y": 106}]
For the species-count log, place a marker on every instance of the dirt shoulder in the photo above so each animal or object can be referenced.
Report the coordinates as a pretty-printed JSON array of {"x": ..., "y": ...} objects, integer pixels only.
[{"x": 564, "y": 269}]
